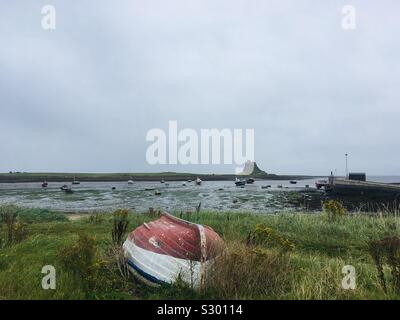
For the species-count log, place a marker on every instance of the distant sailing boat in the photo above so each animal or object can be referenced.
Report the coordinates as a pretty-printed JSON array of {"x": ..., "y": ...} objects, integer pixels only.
[{"x": 76, "y": 181}]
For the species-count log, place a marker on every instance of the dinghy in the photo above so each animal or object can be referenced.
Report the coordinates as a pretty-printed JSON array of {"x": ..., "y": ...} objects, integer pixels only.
[
  {"x": 250, "y": 181},
  {"x": 69, "y": 191},
  {"x": 169, "y": 248},
  {"x": 239, "y": 182},
  {"x": 198, "y": 181},
  {"x": 321, "y": 184},
  {"x": 66, "y": 189}
]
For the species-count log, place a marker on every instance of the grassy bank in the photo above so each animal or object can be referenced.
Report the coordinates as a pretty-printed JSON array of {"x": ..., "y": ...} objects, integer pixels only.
[{"x": 300, "y": 257}]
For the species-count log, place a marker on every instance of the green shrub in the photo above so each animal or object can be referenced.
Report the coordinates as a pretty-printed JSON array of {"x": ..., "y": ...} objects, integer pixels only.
[
  {"x": 79, "y": 259},
  {"x": 334, "y": 209},
  {"x": 16, "y": 231},
  {"x": 386, "y": 251},
  {"x": 20, "y": 232},
  {"x": 263, "y": 235}
]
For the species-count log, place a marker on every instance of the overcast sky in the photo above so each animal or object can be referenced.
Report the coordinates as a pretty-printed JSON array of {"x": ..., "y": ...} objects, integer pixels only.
[{"x": 82, "y": 98}]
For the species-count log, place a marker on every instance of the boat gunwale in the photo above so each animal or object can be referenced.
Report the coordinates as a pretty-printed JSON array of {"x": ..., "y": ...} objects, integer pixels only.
[{"x": 181, "y": 221}]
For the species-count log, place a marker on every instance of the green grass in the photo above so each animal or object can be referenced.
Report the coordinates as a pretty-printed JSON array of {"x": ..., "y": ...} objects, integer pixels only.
[
  {"x": 311, "y": 271},
  {"x": 31, "y": 215}
]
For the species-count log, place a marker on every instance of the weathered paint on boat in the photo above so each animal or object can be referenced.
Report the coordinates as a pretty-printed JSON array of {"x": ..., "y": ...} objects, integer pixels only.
[{"x": 165, "y": 249}]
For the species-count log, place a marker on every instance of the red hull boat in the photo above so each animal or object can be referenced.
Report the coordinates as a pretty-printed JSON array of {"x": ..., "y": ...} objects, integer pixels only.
[{"x": 168, "y": 248}]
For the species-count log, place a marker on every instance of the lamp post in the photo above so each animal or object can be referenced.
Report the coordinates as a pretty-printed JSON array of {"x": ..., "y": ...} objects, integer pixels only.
[{"x": 347, "y": 174}]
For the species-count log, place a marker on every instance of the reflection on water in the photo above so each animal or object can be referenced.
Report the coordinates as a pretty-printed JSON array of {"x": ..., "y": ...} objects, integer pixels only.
[{"x": 174, "y": 197}]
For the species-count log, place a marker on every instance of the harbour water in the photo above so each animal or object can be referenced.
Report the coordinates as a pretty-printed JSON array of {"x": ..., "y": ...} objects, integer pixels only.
[{"x": 172, "y": 196}]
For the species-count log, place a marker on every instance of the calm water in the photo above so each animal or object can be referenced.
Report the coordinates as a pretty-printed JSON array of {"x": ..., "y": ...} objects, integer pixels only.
[{"x": 213, "y": 195}]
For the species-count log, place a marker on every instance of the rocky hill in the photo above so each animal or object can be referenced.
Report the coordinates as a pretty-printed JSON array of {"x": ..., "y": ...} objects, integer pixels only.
[{"x": 251, "y": 168}]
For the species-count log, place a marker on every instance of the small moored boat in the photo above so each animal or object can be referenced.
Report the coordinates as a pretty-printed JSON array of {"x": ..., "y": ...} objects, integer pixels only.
[
  {"x": 130, "y": 181},
  {"x": 250, "y": 181},
  {"x": 198, "y": 181},
  {"x": 293, "y": 181},
  {"x": 321, "y": 183},
  {"x": 75, "y": 181},
  {"x": 163, "y": 250},
  {"x": 69, "y": 191},
  {"x": 239, "y": 182},
  {"x": 45, "y": 184}
]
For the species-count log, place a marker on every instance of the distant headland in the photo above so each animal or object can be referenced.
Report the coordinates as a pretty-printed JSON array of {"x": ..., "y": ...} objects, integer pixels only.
[{"x": 250, "y": 169}]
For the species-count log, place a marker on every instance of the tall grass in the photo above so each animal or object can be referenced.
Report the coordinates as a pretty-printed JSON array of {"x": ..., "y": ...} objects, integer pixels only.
[
  {"x": 258, "y": 270},
  {"x": 249, "y": 273}
]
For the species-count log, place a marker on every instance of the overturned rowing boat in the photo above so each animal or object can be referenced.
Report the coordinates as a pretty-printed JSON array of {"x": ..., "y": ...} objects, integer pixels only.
[{"x": 169, "y": 248}]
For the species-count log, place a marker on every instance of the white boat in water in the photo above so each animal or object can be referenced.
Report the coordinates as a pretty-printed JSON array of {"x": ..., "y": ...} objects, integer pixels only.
[
  {"x": 130, "y": 181},
  {"x": 163, "y": 250},
  {"x": 239, "y": 182},
  {"x": 76, "y": 181},
  {"x": 198, "y": 181}
]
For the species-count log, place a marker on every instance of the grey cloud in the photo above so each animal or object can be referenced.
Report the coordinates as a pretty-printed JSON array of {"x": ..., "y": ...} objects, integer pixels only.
[{"x": 82, "y": 97}]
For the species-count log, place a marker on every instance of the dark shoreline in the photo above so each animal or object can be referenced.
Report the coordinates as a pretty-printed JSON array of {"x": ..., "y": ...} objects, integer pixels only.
[{"x": 104, "y": 177}]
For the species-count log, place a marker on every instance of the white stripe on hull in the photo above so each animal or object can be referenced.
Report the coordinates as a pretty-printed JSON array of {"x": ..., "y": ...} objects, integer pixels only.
[{"x": 163, "y": 267}]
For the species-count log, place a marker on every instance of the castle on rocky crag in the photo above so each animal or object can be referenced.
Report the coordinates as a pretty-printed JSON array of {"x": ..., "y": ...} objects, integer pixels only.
[{"x": 251, "y": 168}]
